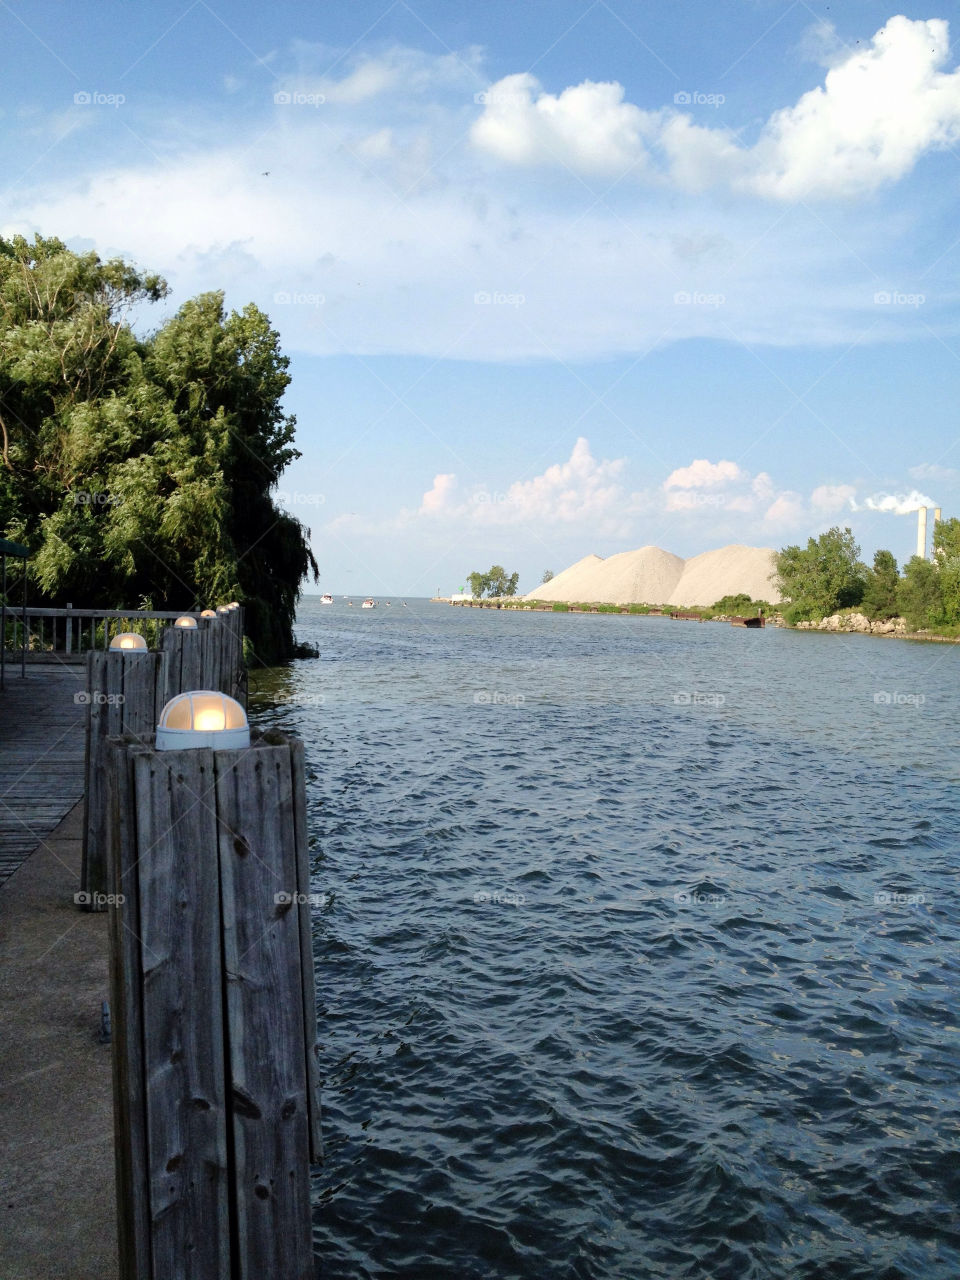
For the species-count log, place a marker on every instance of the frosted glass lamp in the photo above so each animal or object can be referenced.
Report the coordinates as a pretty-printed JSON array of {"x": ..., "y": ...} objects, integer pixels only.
[
  {"x": 202, "y": 718},
  {"x": 224, "y": 608},
  {"x": 187, "y": 623},
  {"x": 128, "y": 641},
  {"x": 209, "y": 613}
]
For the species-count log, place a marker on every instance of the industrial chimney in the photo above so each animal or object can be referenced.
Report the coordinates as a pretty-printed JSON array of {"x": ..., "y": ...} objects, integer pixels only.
[{"x": 922, "y": 533}]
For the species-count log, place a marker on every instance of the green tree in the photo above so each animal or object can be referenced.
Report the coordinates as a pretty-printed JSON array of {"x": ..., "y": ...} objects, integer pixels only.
[
  {"x": 140, "y": 471},
  {"x": 495, "y": 582},
  {"x": 920, "y": 594},
  {"x": 883, "y": 581},
  {"x": 824, "y": 576},
  {"x": 946, "y": 556},
  {"x": 547, "y": 576}
]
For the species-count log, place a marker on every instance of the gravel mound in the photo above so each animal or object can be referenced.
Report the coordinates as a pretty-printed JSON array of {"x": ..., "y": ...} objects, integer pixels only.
[{"x": 653, "y": 576}]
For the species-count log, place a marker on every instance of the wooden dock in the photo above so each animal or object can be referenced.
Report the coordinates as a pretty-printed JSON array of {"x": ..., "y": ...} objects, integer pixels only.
[{"x": 42, "y": 733}]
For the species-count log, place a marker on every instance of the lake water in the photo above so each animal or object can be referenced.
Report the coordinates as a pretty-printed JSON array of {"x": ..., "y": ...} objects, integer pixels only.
[{"x": 638, "y": 946}]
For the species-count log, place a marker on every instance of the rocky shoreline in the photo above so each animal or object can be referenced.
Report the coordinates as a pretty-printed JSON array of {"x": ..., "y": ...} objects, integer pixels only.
[{"x": 860, "y": 624}]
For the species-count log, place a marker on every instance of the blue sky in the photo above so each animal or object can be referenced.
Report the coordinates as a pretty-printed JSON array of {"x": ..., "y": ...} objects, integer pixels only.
[{"x": 555, "y": 278}]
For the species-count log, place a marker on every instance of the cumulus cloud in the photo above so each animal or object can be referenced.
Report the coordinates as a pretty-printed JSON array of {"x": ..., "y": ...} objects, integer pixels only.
[
  {"x": 439, "y": 497},
  {"x": 588, "y": 127},
  {"x": 878, "y": 110},
  {"x": 702, "y": 474},
  {"x": 900, "y": 504}
]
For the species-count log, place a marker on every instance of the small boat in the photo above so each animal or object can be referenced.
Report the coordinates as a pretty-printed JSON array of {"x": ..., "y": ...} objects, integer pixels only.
[
  {"x": 326, "y": 598},
  {"x": 369, "y": 603}
]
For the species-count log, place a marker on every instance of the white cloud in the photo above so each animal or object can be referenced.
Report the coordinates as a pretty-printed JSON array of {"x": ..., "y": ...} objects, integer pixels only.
[
  {"x": 830, "y": 498},
  {"x": 875, "y": 115},
  {"x": 900, "y": 504},
  {"x": 702, "y": 474},
  {"x": 588, "y": 127},
  {"x": 788, "y": 511},
  {"x": 878, "y": 110},
  {"x": 438, "y": 500}
]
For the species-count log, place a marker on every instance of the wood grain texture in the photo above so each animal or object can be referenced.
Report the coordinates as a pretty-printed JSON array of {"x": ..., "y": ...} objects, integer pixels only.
[
  {"x": 183, "y": 1014},
  {"x": 267, "y": 1050}
]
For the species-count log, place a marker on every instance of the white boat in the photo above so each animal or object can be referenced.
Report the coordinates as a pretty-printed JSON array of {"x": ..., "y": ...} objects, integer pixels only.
[
  {"x": 326, "y": 599},
  {"x": 369, "y": 603}
]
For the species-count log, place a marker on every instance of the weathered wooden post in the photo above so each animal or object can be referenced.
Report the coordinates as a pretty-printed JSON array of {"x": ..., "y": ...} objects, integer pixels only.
[
  {"x": 184, "y": 647},
  {"x": 214, "y": 1012},
  {"x": 125, "y": 691}
]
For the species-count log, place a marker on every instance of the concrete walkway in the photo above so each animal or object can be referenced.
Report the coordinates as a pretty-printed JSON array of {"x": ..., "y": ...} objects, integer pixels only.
[{"x": 57, "y": 1196}]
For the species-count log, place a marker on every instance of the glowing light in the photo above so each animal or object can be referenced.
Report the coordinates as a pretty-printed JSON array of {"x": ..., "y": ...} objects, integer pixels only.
[
  {"x": 202, "y": 718},
  {"x": 128, "y": 640}
]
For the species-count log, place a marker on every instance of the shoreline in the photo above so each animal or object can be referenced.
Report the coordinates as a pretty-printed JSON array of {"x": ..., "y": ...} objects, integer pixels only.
[{"x": 512, "y": 605}]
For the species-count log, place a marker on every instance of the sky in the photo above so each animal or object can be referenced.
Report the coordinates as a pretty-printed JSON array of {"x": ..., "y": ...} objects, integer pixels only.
[{"x": 555, "y": 278}]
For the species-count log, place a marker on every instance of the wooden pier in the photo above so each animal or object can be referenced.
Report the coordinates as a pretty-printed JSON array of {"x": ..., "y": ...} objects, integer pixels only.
[{"x": 42, "y": 733}]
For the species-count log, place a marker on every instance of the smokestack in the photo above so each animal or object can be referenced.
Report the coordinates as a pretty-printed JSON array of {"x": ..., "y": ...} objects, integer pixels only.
[{"x": 922, "y": 533}]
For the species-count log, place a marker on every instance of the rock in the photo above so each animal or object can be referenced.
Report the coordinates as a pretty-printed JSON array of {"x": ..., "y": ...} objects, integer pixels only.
[
  {"x": 833, "y": 623},
  {"x": 857, "y": 622},
  {"x": 883, "y": 628}
]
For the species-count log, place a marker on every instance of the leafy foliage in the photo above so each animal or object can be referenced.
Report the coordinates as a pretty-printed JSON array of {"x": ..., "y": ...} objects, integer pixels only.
[
  {"x": 495, "y": 582},
  {"x": 880, "y": 592},
  {"x": 824, "y": 576},
  {"x": 140, "y": 470}
]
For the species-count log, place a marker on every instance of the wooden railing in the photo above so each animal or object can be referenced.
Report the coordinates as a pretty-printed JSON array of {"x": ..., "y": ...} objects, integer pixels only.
[{"x": 69, "y": 633}]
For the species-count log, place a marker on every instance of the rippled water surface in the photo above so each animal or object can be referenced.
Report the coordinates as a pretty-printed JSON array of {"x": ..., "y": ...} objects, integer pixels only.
[{"x": 638, "y": 946}]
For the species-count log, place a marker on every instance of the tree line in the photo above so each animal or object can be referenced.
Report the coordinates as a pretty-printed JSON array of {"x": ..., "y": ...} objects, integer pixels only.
[
  {"x": 139, "y": 470},
  {"x": 495, "y": 582},
  {"x": 828, "y": 575}
]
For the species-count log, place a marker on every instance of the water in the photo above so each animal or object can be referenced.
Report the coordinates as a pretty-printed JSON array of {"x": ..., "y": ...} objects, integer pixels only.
[{"x": 638, "y": 948}]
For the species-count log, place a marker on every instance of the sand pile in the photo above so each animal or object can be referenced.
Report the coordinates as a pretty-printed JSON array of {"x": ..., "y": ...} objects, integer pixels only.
[
  {"x": 644, "y": 575},
  {"x": 726, "y": 572},
  {"x": 653, "y": 576}
]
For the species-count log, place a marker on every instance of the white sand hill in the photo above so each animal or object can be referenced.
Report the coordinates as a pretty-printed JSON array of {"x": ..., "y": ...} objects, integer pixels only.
[{"x": 653, "y": 576}]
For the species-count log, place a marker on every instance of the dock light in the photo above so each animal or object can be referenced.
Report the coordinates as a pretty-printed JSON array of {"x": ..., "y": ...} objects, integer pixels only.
[
  {"x": 233, "y": 605},
  {"x": 128, "y": 640},
  {"x": 208, "y": 613},
  {"x": 187, "y": 623},
  {"x": 202, "y": 718},
  {"x": 224, "y": 608}
]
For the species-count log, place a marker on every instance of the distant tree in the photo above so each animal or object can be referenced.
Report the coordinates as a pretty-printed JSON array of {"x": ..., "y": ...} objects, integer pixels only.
[
  {"x": 495, "y": 582},
  {"x": 920, "y": 594},
  {"x": 547, "y": 576},
  {"x": 883, "y": 581},
  {"x": 824, "y": 576}
]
